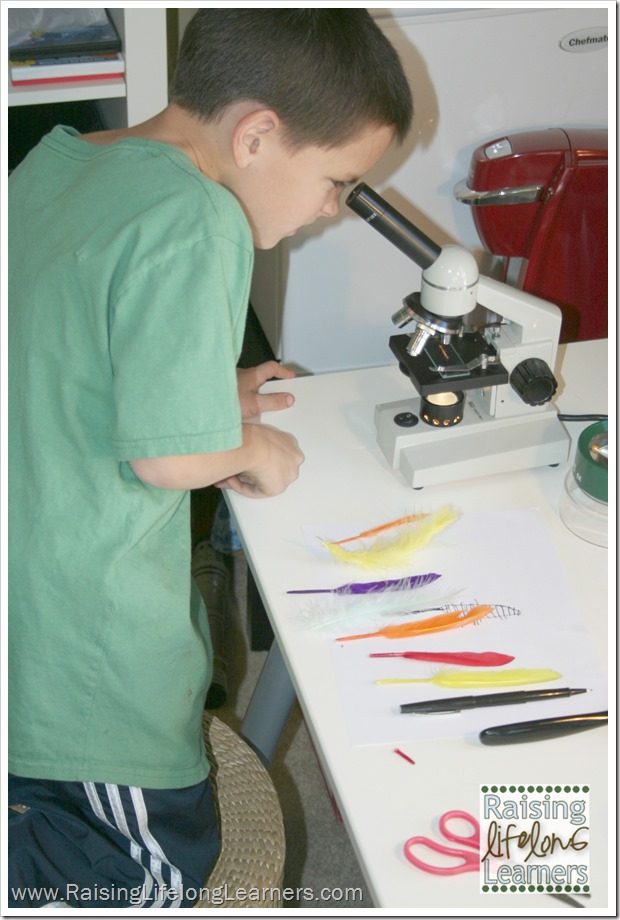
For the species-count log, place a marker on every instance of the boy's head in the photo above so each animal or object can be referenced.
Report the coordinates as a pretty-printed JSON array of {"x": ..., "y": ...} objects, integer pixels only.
[
  {"x": 304, "y": 101},
  {"x": 327, "y": 73}
]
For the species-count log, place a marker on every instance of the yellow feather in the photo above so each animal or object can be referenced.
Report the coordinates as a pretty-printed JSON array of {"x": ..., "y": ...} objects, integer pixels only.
[
  {"x": 386, "y": 553},
  {"x": 461, "y": 680}
]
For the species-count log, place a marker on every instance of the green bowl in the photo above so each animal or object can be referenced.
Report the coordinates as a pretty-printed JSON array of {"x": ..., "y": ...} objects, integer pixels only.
[{"x": 590, "y": 467}]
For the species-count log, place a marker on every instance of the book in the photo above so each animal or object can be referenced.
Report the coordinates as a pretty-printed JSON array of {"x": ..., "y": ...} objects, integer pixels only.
[
  {"x": 67, "y": 69},
  {"x": 42, "y": 33}
]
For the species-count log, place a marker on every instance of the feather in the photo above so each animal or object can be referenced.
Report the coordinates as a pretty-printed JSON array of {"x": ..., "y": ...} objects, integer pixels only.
[
  {"x": 462, "y": 680},
  {"x": 391, "y": 553},
  {"x": 336, "y": 610},
  {"x": 414, "y": 628},
  {"x": 482, "y": 659},
  {"x": 374, "y": 587},
  {"x": 407, "y": 519},
  {"x": 500, "y": 611}
]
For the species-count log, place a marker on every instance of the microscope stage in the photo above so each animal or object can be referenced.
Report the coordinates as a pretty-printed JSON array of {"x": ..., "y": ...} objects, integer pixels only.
[{"x": 454, "y": 357}]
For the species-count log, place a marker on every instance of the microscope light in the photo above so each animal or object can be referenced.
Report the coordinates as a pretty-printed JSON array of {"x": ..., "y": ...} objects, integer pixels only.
[{"x": 443, "y": 409}]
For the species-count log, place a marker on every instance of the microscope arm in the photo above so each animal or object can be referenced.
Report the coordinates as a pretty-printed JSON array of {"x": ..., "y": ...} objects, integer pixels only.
[{"x": 536, "y": 319}]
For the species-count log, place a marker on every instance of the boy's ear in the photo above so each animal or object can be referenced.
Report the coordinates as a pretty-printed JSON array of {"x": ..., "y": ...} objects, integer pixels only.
[{"x": 250, "y": 134}]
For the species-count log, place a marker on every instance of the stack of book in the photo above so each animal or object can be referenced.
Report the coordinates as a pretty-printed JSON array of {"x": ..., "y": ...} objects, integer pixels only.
[{"x": 63, "y": 46}]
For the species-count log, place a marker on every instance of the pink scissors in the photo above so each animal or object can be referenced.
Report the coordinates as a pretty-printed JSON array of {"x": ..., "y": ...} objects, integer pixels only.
[{"x": 470, "y": 859}]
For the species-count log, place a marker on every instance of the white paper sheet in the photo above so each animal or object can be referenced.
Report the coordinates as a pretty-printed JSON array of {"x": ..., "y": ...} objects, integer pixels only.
[{"x": 502, "y": 558}]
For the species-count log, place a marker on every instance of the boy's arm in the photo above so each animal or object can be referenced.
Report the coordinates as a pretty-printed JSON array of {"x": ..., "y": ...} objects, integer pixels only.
[{"x": 265, "y": 464}]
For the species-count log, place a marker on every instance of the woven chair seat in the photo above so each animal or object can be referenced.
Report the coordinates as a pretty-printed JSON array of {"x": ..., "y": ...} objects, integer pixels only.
[{"x": 250, "y": 868}]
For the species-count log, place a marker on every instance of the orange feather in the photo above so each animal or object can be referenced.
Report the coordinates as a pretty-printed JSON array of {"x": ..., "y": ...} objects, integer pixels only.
[
  {"x": 414, "y": 628},
  {"x": 407, "y": 519}
]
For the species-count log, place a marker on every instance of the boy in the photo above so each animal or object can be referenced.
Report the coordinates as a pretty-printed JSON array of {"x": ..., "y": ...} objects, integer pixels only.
[{"x": 130, "y": 263}]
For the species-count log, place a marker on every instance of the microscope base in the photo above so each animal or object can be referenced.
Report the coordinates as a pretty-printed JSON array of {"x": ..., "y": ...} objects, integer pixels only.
[{"x": 477, "y": 446}]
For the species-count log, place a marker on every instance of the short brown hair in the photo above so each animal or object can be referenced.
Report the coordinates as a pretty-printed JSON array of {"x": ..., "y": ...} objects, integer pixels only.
[{"x": 326, "y": 72}]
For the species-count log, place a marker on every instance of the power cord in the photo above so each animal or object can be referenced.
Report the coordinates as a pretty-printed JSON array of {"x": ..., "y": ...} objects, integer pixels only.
[{"x": 588, "y": 417}]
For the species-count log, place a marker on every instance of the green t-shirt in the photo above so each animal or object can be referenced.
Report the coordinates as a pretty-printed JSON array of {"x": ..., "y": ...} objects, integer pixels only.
[{"x": 129, "y": 283}]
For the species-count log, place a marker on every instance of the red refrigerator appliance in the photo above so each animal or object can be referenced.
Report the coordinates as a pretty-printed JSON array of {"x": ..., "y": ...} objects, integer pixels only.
[{"x": 539, "y": 199}]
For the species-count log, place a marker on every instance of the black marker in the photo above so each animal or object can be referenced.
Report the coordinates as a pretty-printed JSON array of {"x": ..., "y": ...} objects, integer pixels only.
[
  {"x": 457, "y": 703},
  {"x": 542, "y": 729}
]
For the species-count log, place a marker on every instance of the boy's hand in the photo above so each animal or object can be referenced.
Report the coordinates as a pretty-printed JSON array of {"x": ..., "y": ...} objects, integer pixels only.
[
  {"x": 276, "y": 466},
  {"x": 251, "y": 379}
]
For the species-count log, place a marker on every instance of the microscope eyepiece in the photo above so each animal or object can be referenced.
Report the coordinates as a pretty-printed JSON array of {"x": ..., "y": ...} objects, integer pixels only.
[{"x": 392, "y": 225}]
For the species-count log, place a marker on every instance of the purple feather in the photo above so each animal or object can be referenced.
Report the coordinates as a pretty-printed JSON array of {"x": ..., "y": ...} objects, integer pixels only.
[{"x": 375, "y": 587}]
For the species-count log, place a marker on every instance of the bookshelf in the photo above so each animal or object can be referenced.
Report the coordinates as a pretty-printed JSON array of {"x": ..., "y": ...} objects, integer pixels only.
[
  {"x": 144, "y": 90},
  {"x": 78, "y": 92}
]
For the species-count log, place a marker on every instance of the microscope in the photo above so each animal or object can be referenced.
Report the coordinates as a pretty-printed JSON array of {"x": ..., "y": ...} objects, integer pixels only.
[{"x": 483, "y": 376}]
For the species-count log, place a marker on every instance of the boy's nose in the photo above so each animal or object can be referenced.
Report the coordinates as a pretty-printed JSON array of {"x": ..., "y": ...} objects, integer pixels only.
[{"x": 330, "y": 207}]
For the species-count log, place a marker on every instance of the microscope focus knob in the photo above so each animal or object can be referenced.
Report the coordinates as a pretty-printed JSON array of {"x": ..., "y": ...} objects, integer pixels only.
[{"x": 533, "y": 380}]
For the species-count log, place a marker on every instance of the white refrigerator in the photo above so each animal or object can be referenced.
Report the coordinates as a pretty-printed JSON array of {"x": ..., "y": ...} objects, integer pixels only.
[{"x": 325, "y": 297}]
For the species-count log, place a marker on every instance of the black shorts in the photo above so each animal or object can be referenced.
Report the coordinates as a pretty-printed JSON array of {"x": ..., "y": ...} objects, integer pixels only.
[{"x": 103, "y": 845}]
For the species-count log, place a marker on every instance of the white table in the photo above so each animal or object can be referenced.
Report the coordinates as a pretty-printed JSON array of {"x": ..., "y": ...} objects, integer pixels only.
[{"x": 383, "y": 799}]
